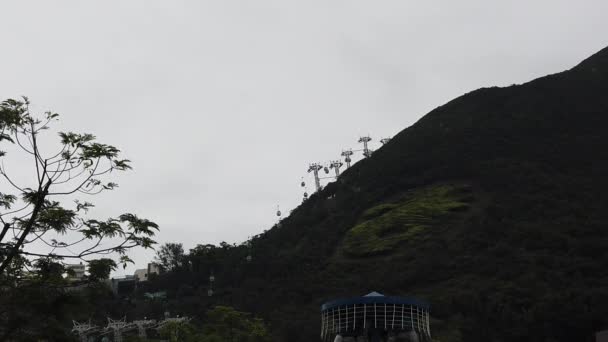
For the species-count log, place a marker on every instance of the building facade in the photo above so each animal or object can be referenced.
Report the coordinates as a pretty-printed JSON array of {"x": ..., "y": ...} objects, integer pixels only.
[{"x": 375, "y": 317}]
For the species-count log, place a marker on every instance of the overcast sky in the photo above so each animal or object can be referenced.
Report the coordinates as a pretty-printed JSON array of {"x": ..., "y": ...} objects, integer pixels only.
[{"x": 222, "y": 104}]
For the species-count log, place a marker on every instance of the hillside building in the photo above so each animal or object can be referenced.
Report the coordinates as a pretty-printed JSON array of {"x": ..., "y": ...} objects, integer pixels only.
[
  {"x": 123, "y": 285},
  {"x": 143, "y": 274}
]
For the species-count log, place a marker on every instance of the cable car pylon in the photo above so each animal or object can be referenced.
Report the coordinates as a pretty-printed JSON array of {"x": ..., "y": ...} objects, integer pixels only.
[
  {"x": 336, "y": 165},
  {"x": 366, "y": 151},
  {"x": 347, "y": 154},
  {"x": 314, "y": 168}
]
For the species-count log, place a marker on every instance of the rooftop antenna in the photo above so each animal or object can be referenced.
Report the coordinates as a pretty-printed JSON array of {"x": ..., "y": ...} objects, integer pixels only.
[
  {"x": 366, "y": 151},
  {"x": 385, "y": 140},
  {"x": 336, "y": 164},
  {"x": 346, "y": 154},
  {"x": 314, "y": 168}
]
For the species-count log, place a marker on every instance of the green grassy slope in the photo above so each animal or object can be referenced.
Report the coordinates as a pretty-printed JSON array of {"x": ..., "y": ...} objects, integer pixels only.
[
  {"x": 384, "y": 227},
  {"x": 493, "y": 207}
]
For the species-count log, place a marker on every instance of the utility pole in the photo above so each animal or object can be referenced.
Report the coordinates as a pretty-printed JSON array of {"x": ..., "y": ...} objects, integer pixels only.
[{"x": 314, "y": 168}]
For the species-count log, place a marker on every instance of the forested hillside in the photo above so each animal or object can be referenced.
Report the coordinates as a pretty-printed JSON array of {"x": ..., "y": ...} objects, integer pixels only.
[{"x": 492, "y": 207}]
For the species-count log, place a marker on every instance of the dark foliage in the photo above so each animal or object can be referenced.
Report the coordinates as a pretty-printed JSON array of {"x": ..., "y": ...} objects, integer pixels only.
[{"x": 100, "y": 269}]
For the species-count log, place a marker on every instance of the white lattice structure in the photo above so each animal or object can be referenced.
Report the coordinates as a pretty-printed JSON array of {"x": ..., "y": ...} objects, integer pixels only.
[
  {"x": 83, "y": 330},
  {"x": 143, "y": 325},
  {"x": 375, "y": 316},
  {"x": 117, "y": 327}
]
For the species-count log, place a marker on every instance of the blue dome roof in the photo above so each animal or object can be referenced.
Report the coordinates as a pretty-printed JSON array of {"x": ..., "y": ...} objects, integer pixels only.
[{"x": 375, "y": 297}]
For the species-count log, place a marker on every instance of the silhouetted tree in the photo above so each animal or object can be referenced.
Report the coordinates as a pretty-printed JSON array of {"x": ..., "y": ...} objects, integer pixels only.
[
  {"x": 170, "y": 256},
  {"x": 33, "y": 212},
  {"x": 101, "y": 268},
  {"x": 40, "y": 208}
]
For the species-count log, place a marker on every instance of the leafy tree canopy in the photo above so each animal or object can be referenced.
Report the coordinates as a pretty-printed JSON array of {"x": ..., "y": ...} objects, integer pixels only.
[
  {"x": 170, "y": 256},
  {"x": 45, "y": 209},
  {"x": 45, "y": 198},
  {"x": 100, "y": 269},
  {"x": 224, "y": 323}
]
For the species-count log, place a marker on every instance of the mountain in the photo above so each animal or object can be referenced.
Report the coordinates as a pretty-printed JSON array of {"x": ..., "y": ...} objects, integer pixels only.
[{"x": 492, "y": 207}]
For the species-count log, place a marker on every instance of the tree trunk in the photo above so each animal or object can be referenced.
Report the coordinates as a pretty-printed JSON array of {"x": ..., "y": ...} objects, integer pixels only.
[{"x": 28, "y": 228}]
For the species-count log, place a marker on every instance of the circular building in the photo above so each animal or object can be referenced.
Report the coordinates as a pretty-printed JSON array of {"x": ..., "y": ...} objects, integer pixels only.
[{"x": 375, "y": 318}]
